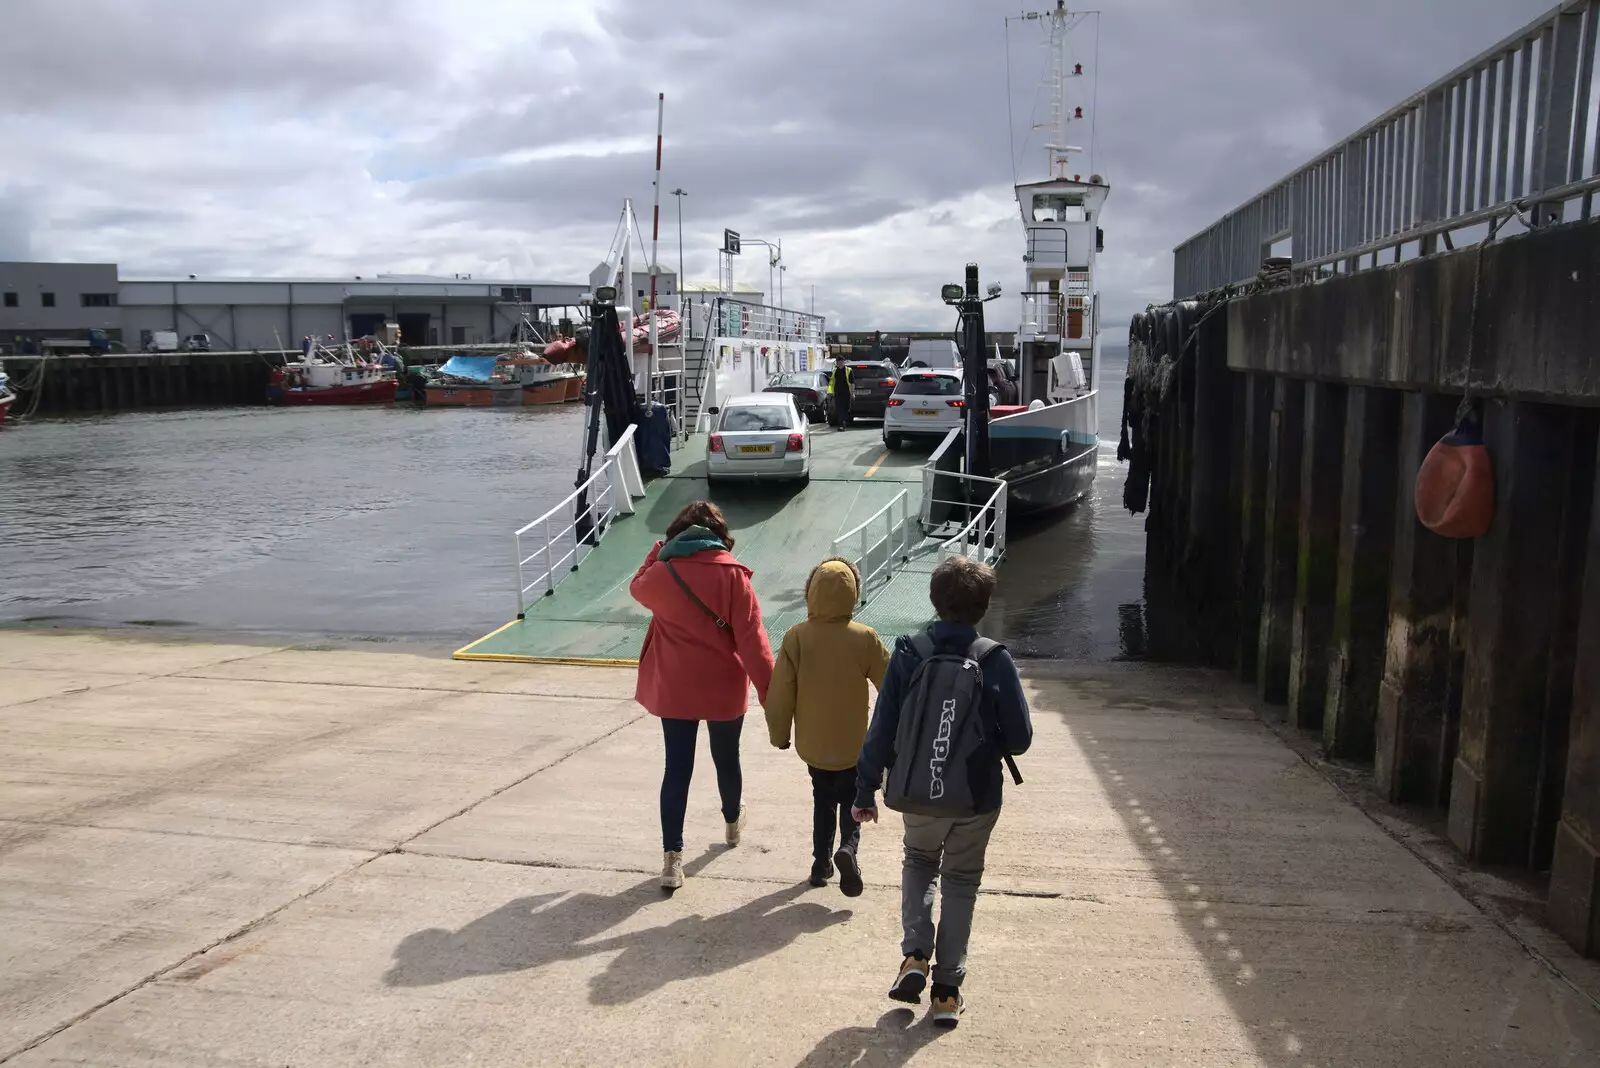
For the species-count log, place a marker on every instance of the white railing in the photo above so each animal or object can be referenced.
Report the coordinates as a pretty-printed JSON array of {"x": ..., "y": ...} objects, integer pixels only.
[
  {"x": 882, "y": 540},
  {"x": 983, "y": 538},
  {"x": 931, "y": 473},
  {"x": 555, "y": 544},
  {"x": 708, "y": 363},
  {"x": 762, "y": 322},
  {"x": 1509, "y": 132},
  {"x": 952, "y": 493},
  {"x": 623, "y": 459}
]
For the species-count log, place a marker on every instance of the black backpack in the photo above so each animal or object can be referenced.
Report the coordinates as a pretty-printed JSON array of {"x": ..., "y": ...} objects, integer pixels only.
[{"x": 941, "y": 730}]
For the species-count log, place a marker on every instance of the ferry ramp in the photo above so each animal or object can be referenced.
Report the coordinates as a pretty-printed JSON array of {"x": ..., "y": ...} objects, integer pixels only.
[{"x": 780, "y": 531}]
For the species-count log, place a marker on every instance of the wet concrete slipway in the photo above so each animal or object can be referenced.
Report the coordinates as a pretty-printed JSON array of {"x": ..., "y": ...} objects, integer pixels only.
[{"x": 256, "y": 855}]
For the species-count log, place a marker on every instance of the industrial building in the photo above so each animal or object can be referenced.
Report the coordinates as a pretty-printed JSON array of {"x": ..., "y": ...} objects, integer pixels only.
[{"x": 39, "y": 301}]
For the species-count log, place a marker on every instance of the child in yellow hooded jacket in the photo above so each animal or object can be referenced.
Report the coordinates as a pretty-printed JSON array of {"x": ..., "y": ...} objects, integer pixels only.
[{"x": 819, "y": 690}]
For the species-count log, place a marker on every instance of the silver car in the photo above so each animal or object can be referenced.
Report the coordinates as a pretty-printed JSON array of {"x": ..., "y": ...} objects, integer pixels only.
[
  {"x": 925, "y": 404},
  {"x": 757, "y": 437}
]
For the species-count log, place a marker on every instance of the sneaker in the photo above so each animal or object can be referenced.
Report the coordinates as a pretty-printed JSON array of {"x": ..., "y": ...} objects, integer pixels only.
[
  {"x": 735, "y": 830},
  {"x": 849, "y": 873},
  {"x": 909, "y": 983},
  {"x": 821, "y": 871},
  {"x": 671, "y": 870},
  {"x": 947, "y": 1009}
]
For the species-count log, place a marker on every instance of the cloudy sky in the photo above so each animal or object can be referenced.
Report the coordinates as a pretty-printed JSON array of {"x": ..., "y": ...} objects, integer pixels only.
[{"x": 499, "y": 137}]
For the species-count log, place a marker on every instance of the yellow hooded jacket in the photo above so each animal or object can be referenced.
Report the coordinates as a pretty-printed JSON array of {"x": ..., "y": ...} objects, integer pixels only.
[{"x": 819, "y": 683}]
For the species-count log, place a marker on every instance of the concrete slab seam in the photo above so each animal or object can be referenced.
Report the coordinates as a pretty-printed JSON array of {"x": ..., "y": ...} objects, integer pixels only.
[
  {"x": 140, "y": 984},
  {"x": 491, "y": 795},
  {"x": 131, "y": 679},
  {"x": 252, "y": 925},
  {"x": 465, "y": 692},
  {"x": 168, "y": 832},
  {"x": 556, "y": 865}
]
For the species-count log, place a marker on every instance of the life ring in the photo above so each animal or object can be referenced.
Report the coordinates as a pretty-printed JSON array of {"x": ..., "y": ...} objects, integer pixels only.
[{"x": 1454, "y": 495}]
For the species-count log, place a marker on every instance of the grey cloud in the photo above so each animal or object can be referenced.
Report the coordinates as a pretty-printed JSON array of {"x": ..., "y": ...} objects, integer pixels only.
[
  {"x": 811, "y": 122},
  {"x": 17, "y": 210},
  {"x": 115, "y": 54}
]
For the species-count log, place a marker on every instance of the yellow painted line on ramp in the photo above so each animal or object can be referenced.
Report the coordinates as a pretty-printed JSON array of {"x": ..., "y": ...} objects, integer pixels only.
[
  {"x": 571, "y": 661},
  {"x": 877, "y": 463},
  {"x": 459, "y": 654}
]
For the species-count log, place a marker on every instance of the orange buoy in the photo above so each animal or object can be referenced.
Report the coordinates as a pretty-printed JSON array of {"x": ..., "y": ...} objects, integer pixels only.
[{"x": 1455, "y": 485}]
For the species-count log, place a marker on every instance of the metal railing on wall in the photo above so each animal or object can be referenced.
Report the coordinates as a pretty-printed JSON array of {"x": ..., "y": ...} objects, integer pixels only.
[{"x": 1512, "y": 130}]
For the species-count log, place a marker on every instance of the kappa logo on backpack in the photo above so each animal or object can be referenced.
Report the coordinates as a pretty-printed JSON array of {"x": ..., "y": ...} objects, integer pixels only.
[{"x": 940, "y": 731}]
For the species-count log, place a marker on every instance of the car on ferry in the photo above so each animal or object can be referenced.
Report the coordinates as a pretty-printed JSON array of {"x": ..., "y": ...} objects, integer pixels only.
[
  {"x": 759, "y": 437},
  {"x": 926, "y": 403},
  {"x": 871, "y": 385},
  {"x": 808, "y": 388},
  {"x": 926, "y": 352}
]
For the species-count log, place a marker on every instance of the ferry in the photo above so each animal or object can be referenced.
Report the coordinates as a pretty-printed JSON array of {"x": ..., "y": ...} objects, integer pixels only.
[{"x": 1046, "y": 447}]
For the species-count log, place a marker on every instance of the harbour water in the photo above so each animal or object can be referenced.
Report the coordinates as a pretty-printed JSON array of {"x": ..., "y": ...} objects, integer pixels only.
[{"x": 393, "y": 524}]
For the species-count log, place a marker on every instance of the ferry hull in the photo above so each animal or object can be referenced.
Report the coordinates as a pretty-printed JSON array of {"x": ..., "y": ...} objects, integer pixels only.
[
  {"x": 1048, "y": 457},
  {"x": 5, "y": 406},
  {"x": 380, "y": 392}
]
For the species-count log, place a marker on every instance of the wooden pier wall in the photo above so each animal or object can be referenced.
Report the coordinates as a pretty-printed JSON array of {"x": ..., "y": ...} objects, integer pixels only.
[
  {"x": 1277, "y": 435},
  {"x": 114, "y": 382}
]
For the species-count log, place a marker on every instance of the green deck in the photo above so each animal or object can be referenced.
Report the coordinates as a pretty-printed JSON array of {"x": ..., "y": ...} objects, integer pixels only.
[{"x": 781, "y": 532}]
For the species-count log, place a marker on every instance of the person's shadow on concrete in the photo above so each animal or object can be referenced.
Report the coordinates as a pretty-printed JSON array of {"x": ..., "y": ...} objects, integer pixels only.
[
  {"x": 521, "y": 934},
  {"x": 889, "y": 1043},
  {"x": 694, "y": 946},
  {"x": 532, "y": 932}
]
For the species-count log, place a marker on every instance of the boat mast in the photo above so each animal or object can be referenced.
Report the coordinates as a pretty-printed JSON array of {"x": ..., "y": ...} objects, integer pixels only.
[
  {"x": 655, "y": 236},
  {"x": 1062, "y": 114}
]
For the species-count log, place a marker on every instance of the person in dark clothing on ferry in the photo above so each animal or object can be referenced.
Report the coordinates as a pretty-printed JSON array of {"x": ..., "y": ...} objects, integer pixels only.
[{"x": 839, "y": 389}]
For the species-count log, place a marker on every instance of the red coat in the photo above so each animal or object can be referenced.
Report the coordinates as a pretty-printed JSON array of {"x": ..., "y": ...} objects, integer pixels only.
[{"x": 689, "y": 668}]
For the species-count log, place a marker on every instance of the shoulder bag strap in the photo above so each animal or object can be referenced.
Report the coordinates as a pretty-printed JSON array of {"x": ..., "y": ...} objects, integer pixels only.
[
  {"x": 722, "y": 624},
  {"x": 977, "y": 651}
]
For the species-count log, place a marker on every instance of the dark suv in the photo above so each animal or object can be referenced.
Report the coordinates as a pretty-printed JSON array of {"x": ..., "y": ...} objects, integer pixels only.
[{"x": 872, "y": 382}]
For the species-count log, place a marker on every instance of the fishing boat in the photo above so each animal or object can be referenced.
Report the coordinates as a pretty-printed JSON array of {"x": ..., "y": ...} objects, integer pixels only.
[
  {"x": 328, "y": 374},
  {"x": 511, "y": 379},
  {"x": 7, "y": 397},
  {"x": 1046, "y": 446}
]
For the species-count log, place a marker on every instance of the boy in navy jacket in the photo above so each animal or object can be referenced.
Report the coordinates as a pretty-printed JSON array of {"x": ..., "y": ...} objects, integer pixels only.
[{"x": 936, "y": 847}]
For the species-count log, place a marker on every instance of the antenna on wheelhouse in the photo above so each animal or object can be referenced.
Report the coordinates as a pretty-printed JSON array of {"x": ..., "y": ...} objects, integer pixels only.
[{"x": 1063, "y": 71}]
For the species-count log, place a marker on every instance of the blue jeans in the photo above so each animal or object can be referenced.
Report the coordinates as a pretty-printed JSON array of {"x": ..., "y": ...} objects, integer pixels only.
[{"x": 680, "y": 735}]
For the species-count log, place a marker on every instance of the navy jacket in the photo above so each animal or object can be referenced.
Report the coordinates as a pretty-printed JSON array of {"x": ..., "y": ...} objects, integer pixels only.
[{"x": 1004, "y": 711}]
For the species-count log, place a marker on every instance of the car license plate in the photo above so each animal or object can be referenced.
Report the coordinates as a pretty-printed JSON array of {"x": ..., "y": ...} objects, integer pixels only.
[
  {"x": 862, "y": 391},
  {"x": 926, "y": 411},
  {"x": 754, "y": 448}
]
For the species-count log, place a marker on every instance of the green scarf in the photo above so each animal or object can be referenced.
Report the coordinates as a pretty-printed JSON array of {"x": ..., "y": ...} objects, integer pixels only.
[{"x": 692, "y": 540}]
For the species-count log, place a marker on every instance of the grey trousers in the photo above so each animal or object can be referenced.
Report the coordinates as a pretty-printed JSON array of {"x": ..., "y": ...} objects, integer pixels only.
[{"x": 951, "y": 849}]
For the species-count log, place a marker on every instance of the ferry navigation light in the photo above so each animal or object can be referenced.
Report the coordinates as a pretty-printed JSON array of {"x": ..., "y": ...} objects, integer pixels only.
[
  {"x": 1077, "y": 68},
  {"x": 1077, "y": 113},
  {"x": 953, "y": 293},
  {"x": 994, "y": 290}
]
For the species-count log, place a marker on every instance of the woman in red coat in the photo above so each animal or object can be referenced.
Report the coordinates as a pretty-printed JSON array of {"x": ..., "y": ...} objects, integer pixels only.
[{"x": 705, "y": 645}]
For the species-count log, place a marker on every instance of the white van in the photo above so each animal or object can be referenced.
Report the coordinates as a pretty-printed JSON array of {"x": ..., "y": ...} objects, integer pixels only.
[{"x": 937, "y": 355}]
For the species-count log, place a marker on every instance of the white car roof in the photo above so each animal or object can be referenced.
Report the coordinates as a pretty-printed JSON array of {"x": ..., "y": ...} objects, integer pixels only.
[
  {"x": 750, "y": 400},
  {"x": 947, "y": 372}
]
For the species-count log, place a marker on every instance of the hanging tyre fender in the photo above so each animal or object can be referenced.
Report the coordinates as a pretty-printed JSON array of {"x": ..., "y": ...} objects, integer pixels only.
[{"x": 1455, "y": 486}]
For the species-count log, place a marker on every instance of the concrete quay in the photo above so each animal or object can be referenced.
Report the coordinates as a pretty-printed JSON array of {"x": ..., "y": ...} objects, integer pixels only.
[{"x": 259, "y": 855}]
